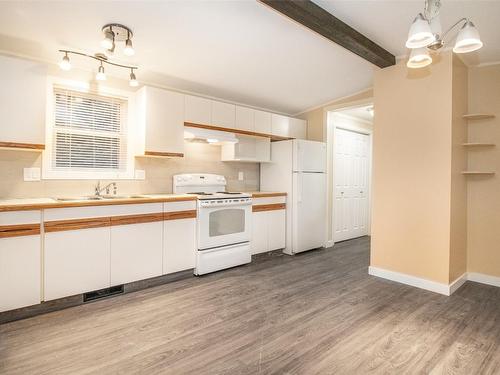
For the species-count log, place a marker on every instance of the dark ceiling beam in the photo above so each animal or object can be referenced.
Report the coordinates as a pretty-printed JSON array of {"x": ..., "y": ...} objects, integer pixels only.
[{"x": 324, "y": 23}]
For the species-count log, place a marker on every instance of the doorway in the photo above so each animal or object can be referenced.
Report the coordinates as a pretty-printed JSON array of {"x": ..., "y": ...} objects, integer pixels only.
[{"x": 349, "y": 142}]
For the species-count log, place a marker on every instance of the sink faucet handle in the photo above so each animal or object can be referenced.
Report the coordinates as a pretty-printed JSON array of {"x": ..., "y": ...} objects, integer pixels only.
[{"x": 115, "y": 188}]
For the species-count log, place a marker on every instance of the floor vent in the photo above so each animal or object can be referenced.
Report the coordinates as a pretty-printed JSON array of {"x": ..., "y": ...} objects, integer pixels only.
[{"x": 102, "y": 293}]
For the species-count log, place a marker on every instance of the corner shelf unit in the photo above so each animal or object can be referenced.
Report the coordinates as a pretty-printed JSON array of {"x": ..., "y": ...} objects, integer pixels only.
[{"x": 478, "y": 116}]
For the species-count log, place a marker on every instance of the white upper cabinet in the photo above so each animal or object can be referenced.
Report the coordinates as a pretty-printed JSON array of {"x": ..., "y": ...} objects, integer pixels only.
[
  {"x": 245, "y": 118},
  {"x": 161, "y": 116},
  {"x": 198, "y": 110},
  {"x": 262, "y": 122},
  {"x": 223, "y": 114},
  {"x": 22, "y": 94},
  {"x": 298, "y": 128},
  {"x": 280, "y": 125}
]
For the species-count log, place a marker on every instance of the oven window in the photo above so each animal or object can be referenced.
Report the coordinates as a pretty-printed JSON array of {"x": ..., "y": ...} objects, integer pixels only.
[{"x": 226, "y": 221}]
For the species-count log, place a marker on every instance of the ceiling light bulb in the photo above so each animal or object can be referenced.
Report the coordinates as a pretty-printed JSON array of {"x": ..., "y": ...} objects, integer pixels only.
[
  {"x": 128, "y": 50},
  {"x": 109, "y": 39},
  {"x": 468, "y": 39},
  {"x": 212, "y": 140},
  {"x": 420, "y": 34},
  {"x": 133, "y": 80},
  {"x": 100, "y": 76},
  {"x": 419, "y": 58},
  {"x": 65, "y": 64}
]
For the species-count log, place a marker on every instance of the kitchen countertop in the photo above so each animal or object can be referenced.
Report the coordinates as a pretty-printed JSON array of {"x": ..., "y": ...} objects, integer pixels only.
[
  {"x": 42, "y": 203},
  {"x": 25, "y": 204},
  {"x": 265, "y": 194}
]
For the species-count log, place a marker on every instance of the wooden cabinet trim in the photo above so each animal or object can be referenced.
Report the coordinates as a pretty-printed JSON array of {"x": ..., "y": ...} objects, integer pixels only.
[
  {"x": 30, "y": 146},
  {"x": 164, "y": 154},
  {"x": 176, "y": 215},
  {"x": 19, "y": 230},
  {"x": 236, "y": 131},
  {"x": 136, "y": 219},
  {"x": 268, "y": 207},
  {"x": 75, "y": 224},
  {"x": 267, "y": 195}
]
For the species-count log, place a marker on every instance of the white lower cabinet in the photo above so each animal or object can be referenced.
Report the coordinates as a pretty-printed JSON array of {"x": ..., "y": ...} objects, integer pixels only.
[
  {"x": 179, "y": 250},
  {"x": 259, "y": 243},
  {"x": 268, "y": 231},
  {"x": 19, "y": 272},
  {"x": 136, "y": 252},
  {"x": 76, "y": 261}
]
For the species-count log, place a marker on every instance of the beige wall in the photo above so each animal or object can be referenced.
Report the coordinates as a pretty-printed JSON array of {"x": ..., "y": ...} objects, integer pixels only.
[
  {"x": 412, "y": 170},
  {"x": 458, "y": 213},
  {"x": 317, "y": 118},
  {"x": 198, "y": 158},
  {"x": 484, "y": 192}
]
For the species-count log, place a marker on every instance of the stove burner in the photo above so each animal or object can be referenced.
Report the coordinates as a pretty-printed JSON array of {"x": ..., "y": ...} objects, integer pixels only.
[
  {"x": 201, "y": 193},
  {"x": 227, "y": 192}
]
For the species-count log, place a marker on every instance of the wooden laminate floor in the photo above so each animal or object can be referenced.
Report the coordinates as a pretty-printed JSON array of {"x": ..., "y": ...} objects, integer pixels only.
[{"x": 315, "y": 313}]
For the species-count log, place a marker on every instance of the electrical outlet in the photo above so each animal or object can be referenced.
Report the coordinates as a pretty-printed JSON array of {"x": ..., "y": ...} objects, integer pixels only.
[
  {"x": 240, "y": 176},
  {"x": 140, "y": 174},
  {"x": 31, "y": 174}
]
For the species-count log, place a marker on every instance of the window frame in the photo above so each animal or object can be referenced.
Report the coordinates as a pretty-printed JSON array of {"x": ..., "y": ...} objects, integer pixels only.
[{"x": 48, "y": 173}]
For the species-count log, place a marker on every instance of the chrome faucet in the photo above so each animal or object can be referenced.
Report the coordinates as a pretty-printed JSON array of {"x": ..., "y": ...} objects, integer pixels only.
[{"x": 98, "y": 190}]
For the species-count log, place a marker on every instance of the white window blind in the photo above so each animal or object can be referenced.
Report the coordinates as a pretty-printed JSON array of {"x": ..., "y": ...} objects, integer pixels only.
[{"x": 88, "y": 133}]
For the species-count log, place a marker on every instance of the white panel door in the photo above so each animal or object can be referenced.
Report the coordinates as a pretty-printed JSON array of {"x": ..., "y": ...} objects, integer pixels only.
[
  {"x": 309, "y": 211},
  {"x": 262, "y": 122},
  {"x": 76, "y": 261},
  {"x": 179, "y": 245},
  {"x": 19, "y": 272},
  {"x": 259, "y": 242},
  {"x": 136, "y": 252},
  {"x": 276, "y": 222},
  {"x": 197, "y": 110},
  {"x": 351, "y": 184}
]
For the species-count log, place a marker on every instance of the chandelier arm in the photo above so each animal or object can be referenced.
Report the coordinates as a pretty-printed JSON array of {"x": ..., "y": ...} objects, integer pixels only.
[
  {"x": 452, "y": 27},
  {"x": 98, "y": 59}
]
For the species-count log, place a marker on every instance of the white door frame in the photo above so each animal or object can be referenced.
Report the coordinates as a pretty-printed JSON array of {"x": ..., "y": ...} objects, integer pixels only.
[{"x": 331, "y": 130}]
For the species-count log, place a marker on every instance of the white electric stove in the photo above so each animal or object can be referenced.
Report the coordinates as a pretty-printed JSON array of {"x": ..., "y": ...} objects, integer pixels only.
[{"x": 224, "y": 221}]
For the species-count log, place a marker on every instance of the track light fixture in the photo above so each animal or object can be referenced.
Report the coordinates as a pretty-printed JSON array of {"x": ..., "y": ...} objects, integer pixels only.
[
  {"x": 425, "y": 35},
  {"x": 100, "y": 76},
  {"x": 115, "y": 32}
]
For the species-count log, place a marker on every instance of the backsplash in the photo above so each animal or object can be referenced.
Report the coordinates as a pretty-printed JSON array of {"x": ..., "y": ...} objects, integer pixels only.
[{"x": 199, "y": 158}]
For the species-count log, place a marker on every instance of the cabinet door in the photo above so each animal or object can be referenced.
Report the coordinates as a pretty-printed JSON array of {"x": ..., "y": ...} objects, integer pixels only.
[
  {"x": 179, "y": 247},
  {"x": 262, "y": 122},
  {"x": 298, "y": 128},
  {"x": 19, "y": 272},
  {"x": 276, "y": 224},
  {"x": 136, "y": 252},
  {"x": 164, "y": 120},
  {"x": 223, "y": 114},
  {"x": 22, "y": 94},
  {"x": 198, "y": 110},
  {"x": 280, "y": 125},
  {"x": 259, "y": 242},
  {"x": 245, "y": 118},
  {"x": 76, "y": 261}
]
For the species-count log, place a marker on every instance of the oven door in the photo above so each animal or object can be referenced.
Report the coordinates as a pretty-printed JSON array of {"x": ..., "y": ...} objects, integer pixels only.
[{"x": 224, "y": 225}]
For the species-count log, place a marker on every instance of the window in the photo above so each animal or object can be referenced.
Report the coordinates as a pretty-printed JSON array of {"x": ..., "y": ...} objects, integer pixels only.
[{"x": 87, "y": 136}]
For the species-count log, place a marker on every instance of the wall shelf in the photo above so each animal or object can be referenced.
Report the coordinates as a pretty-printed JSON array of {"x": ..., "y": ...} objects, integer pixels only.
[
  {"x": 477, "y": 173},
  {"x": 473, "y": 144},
  {"x": 478, "y": 116}
]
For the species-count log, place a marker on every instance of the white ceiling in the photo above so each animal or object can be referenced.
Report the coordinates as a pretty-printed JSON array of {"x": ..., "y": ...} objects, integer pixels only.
[{"x": 239, "y": 51}]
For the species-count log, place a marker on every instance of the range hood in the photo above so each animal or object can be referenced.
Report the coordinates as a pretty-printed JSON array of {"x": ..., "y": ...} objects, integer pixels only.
[{"x": 214, "y": 137}]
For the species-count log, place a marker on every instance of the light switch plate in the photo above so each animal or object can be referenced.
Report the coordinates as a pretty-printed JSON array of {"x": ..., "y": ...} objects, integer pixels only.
[
  {"x": 240, "y": 176},
  {"x": 140, "y": 174},
  {"x": 31, "y": 174}
]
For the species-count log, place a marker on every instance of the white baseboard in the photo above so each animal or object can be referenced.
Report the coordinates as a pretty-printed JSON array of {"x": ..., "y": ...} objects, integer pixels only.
[
  {"x": 484, "y": 279},
  {"x": 434, "y": 286},
  {"x": 417, "y": 282},
  {"x": 455, "y": 285}
]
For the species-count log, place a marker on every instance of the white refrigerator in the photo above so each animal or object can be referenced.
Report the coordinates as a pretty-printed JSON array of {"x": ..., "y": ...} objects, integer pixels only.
[{"x": 298, "y": 167}]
